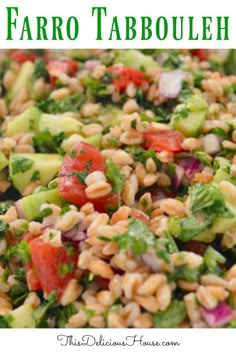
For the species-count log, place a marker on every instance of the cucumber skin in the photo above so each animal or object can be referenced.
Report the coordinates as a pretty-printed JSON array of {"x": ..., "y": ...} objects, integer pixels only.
[
  {"x": 25, "y": 122},
  {"x": 21, "y": 317},
  {"x": 22, "y": 80},
  {"x": 47, "y": 165},
  {"x": 132, "y": 58},
  {"x": 3, "y": 161},
  {"x": 29, "y": 207},
  {"x": 57, "y": 124}
]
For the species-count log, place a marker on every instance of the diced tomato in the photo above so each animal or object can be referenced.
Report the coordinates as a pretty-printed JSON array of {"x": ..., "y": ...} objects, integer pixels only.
[
  {"x": 32, "y": 279},
  {"x": 54, "y": 266},
  {"x": 22, "y": 56},
  {"x": 202, "y": 54},
  {"x": 138, "y": 214},
  {"x": 102, "y": 283},
  {"x": 56, "y": 68},
  {"x": 197, "y": 247},
  {"x": 164, "y": 140},
  {"x": 123, "y": 76},
  {"x": 86, "y": 158},
  {"x": 107, "y": 203}
]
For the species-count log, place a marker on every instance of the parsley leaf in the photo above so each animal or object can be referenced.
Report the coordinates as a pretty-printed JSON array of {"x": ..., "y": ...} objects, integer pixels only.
[
  {"x": 212, "y": 259},
  {"x": 71, "y": 103},
  {"x": 172, "y": 317},
  {"x": 138, "y": 237},
  {"x": 141, "y": 155},
  {"x": 187, "y": 228},
  {"x": 22, "y": 250},
  {"x": 20, "y": 164},
  {"x": 40, "y": 313},
  {"x": 3, "y": 228},
  {"x": 40, "y": 70},
  {"x": 114, "y": 176},
  {"x": 209, "y": 199},
  {"x": 46, "y": 142},
  {"x": 3, "y": 322}
]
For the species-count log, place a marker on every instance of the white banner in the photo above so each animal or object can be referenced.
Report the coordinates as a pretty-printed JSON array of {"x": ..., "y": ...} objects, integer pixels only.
[
  {"x": 117, "y": 24},
  {"x": 90, "y": 341}
]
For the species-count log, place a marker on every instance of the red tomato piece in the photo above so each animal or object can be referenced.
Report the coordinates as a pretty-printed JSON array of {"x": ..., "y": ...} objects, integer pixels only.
[
  {"x": 164, "y": 140},
  {"x": 102, "y": 283},
  {"x": 54, "y": 266},
  {"x": 56, "y": 68},
  {"x": 32, "y": 279},
  {"x": 202, "y": 54},
  {"x": 87, "y": 158},
  {"x": 123, "y": 76},
  {"x": 22, "y": 56},
  {"x": 107, "y": 203}
]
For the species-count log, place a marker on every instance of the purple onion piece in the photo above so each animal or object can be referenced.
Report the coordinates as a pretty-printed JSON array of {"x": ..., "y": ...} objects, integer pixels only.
[
  {"x": 152, "y": 261},
  {"x": 80, "y": 236},
  {"x": 211, "y": 144},
  {"x": 70, "y": 234},
  {"x": 191, "y": 166},
  {"x": 49, "y": 221},
  {"x": 178, "y": 176},
  {"x": 170, "y": 83},
  {"x": 19, "y": 210},
  {"x": 92, "y": 64},
  {"x": 218, "y": 317}
]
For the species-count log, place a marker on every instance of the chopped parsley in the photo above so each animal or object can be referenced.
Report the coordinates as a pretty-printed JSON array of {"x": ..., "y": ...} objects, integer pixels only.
[
  {"x": 114, "y": 176},
  {"x": 3, "y": 228},
  {"x": 22, "y": 250},
  {"x": 71, "y": 103},
  {"x": 46, "y": 142},
  {"x": 20, "y": 164}
]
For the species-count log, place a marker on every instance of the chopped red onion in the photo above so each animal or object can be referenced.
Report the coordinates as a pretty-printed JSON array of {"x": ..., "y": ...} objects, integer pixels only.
[
  {"x": 49, "y": 221},
  {"x": 152, "y": 261},
  {"x": 211, "y": 144},
  {"x": 80, "y": 236},
  {"x": 219, "y": 316},
  {"x": 170, "y": 83},
  {"x": 19, "y": 209},
  {"x": 92, "y": 64},
  {"x": 70, "y": 234},
  {"x": 191, "y": 166},
  {"x": 178, "y": 176}
]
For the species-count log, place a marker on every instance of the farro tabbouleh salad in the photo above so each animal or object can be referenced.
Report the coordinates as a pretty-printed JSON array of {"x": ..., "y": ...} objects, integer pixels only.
[{"x": 118, "y": 189}]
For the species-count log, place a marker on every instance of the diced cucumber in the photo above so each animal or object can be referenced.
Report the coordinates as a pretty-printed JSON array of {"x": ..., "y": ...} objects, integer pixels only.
[
  {"x": 21, "y": 317},
  {"x": 3, "y": 161},
  {"x": 57, "y": 124},
  {"x": 22, "y": 80},
  {"x": 206, "y": 236},
  {"x": 80, "y": 54},
  {"x": 95, "y": 140},
  {"x": 29, "y": 207},
  {"x": 189, "y": 117},
  {"x": 232, "y": 123},
  {"x": 25, "y": 122},
  {"x": 113, "y": 115},
  {"x": 24, "y": 168},
  {"x": 232, "y": 300},
  {"x": 220, "y": 225},
  {"x": 134, "y": 59},
  {"x": 221, "y": 162},
  {"x": 172, "y": 317}
]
